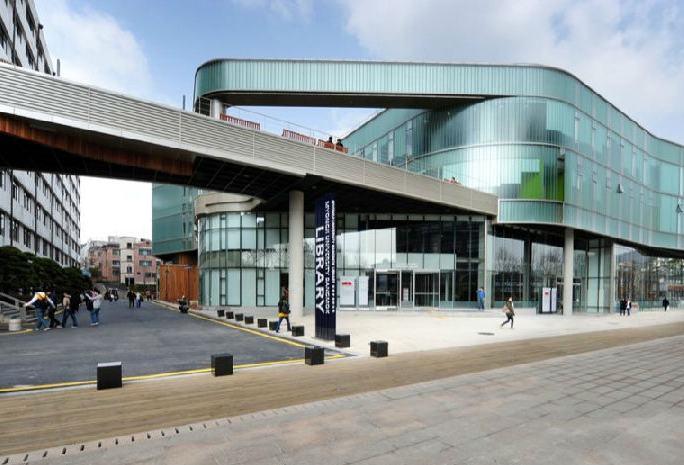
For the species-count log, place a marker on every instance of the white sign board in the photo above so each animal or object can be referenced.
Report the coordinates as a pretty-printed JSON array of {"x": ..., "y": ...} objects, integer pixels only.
[
  {"x": 363, "y": 291},
  {"x": 347, "y": 291},
  {"x": 546, "y": 300},
  {"x": 554, "y": 298}
]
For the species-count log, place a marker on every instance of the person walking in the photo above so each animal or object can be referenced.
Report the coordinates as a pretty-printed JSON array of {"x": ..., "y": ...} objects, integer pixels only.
[
  {"x": 96, "y": 298},
  {"x": 131, "y": 298},
  {"x": 509, "y": 311},
  {"x": 70, "y": 309},
  {"x": 628, "y": 307},
  {"x": 138, "y": 299},
  {"x": 666, "y": 303},
  {"x": 42, "y": 302},
  {"x": 283, "y": 313},
  {"x": 51, "y": 311},
  {"x": 480, "y": 299}
]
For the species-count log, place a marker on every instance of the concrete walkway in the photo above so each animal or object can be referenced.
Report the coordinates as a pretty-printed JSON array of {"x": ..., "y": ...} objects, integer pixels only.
[
  {"x": 418, "y": 331},
  {"x": 468, "y": 405}
]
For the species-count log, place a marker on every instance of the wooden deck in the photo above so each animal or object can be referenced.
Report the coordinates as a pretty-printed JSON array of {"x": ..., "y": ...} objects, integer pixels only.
[{"x": 33, "y": 421}]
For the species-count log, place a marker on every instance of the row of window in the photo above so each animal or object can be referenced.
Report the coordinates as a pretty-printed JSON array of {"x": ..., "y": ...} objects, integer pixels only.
[{"x": 33, "y": 241}]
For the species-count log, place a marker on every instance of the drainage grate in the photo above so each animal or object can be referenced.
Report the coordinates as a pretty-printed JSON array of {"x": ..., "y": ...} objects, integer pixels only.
[{"x": 486, "y": 334}]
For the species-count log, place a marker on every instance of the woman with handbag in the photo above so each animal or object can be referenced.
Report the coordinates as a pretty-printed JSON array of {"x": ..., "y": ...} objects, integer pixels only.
[
  {"x": 283, "y": 313},
  {"x": 508, "y": 310}
]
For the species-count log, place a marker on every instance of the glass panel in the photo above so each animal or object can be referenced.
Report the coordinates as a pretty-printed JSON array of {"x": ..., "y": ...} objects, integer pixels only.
[
  {"x": 406, "y": 289},
  {"x": 386, "y": 289},
  {"x": 233, "y": 291},
  {"x": 248, "y": 287}
]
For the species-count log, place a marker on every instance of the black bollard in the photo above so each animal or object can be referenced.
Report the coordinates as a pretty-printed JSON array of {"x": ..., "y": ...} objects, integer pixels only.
[
  {"x": 239, "y": 316},
  {"x": 109, "y": 375},
  {"x": 313, "y": 355},
  {"x": 297, "y": 331},
  {"x": 222, "y": 364},
  {"x": 249, "y": 320},
  {"x": 220, "y": 313},
  {"x": 262, "y": 322},
  {"x": 229, "y": 315},
  {"x": 341, "y": 340},
  {"x": 378, "y": 349}
]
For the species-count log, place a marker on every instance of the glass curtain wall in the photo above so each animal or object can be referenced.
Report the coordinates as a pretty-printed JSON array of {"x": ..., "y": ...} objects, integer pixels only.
[
  {"x": 579, "y": 162},
  {"x": 243, "y": 257}
]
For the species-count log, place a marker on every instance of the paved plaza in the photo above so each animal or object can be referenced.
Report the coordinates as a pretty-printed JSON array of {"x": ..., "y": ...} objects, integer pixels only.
[
  {"x": 621, "y": 405},
  {"x": 554, "y": 390},
  {"x": 147, "y": 340}
]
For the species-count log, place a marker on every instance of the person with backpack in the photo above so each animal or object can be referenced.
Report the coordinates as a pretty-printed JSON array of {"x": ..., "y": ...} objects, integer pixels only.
[
  {"x": 96, "y": 298},
  {"x": 43, "y": 303},
  {"x": 283, "y": 313},
  {"x": 508, "y": 310},
  {"x": 71, "y": 303}
]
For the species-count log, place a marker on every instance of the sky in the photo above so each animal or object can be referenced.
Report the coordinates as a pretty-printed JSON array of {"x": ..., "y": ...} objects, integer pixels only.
[{"x": 629, "y": 51}]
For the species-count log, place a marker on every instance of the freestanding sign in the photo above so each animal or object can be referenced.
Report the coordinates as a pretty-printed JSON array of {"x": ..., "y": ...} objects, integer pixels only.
[{"x": 325, "y": 265}]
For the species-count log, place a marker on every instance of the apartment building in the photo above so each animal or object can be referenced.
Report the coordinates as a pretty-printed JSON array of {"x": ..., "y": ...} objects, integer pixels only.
[{"x": 39, "y": 212}]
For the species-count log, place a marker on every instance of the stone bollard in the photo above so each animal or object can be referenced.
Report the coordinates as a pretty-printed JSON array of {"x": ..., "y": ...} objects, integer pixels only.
[
  {"x": 109, "y": 375},
  {"x": 341, "y": 340},
  {"x": 378, "y": 349},
  {"x": 249, "y": 320},
  {"x": 229, "y": 315},
  {"x": 262, "y": 322},
  {"x": 15, "y": 324},
  {"x": 222, "y": 364},
  {"x": 220, "y": 313},
  {"x": 239, "y": 316},
  {"x": 313, "y": 355},
  {"x": 297, "y": 331}
]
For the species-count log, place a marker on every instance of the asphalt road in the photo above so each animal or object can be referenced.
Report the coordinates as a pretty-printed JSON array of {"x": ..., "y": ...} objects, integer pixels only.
[{"x": 147, "y": 340}]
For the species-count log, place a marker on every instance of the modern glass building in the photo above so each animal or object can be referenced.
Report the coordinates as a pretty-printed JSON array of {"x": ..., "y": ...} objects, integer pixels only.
[{"x": 590, "y": 203}]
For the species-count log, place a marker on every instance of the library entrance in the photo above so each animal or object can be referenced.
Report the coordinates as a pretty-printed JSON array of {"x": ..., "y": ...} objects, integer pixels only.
[{"x": 406, "y": 289}]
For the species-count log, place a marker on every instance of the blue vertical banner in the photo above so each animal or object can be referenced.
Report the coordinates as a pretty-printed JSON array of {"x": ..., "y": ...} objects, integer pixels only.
[{"x": 325, "y": 267}]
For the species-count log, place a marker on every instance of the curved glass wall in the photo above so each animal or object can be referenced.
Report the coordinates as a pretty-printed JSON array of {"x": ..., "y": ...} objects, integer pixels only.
[
  {"x": 411, "y": 261},
  {"x": 596, "y": 171}
]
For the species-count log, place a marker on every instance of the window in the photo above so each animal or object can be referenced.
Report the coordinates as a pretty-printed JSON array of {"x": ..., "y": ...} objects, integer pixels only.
[
  {"x": 129, "y": 245},
  {"x": 27, "y": 201},
  {"x": 116, "y": 263},
  {"x": 27, "y": 237},
  {"x": 145, "y": 263},
  {"x": 2, "y": 179},
  {"x": 15, "y": 230},
  {"x": 129, "y": 258},
  {"x": 129, "y": 269},
  {"x": 2, "y": 224},
  {"x": 409, "y": 138},
  {"x": 145, "y": 252},
  {"x": 15, "y": 190}
]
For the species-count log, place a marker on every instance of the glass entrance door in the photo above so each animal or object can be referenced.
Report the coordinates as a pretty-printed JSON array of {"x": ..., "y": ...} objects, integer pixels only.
[
  {"x": 426, "y": 289},
  {"x": 386, "y": 289},
  {"x": 406, "y": 296}
]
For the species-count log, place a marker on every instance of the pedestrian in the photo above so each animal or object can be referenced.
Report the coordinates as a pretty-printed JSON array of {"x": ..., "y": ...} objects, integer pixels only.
[
  {"x": 96, "y": 298},
  {"x": 148, "y": 295},
  {"x": 629, "y": 306},
  {"x": 623, "y": 307},
  {"x": 480, "y": 298},
  {"x": 51, "y": 312},
  {"x": 509, "y": 311},
  {"x": 666, "y": 303},
  {"x": 42, "y": 302},
  {"x": 138, "y": 298},
  {"x": 283, "y": 313},
  {"x": 70, "y": 309},
  {"x": 131, "y": 298}
]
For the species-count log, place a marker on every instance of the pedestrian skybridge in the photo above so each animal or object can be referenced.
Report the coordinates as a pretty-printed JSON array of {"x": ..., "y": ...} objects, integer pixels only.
[{"x": 53, "y": 125}]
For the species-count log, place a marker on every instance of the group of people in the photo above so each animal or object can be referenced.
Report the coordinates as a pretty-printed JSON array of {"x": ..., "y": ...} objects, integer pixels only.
[
  {"x": 625, "y": 307},
  {"x": 44, "y": 303}
]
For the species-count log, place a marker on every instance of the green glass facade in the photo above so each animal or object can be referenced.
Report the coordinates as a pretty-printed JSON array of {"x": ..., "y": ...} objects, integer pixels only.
[
  {"x": 557, "y": 154},
  {"x": 173, "y": 219},
  {"x": 411, "y": 261}
]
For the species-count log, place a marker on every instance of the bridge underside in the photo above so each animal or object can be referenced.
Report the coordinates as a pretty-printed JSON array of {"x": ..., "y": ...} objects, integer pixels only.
[
  {"x": 333, "y": 99},
  {"x": 46, "y": 147}
]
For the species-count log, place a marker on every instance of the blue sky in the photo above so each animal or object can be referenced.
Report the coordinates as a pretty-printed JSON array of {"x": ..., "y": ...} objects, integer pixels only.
[{"x": 630, "y": 51}]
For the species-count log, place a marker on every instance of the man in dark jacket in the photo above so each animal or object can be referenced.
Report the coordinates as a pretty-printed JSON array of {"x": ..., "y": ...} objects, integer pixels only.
[{"x": 131, "y": 298}]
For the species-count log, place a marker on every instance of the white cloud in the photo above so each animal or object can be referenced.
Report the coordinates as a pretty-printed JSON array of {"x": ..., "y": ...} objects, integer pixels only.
[
  {"x": 111, "y": 207},
  {"x": 630, "y": 51},
  {"x": 94, "y": 48},
  {"x": 288, "y": 10}
]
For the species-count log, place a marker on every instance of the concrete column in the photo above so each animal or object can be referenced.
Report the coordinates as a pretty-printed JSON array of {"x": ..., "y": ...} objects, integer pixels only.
[
  {"x": 215, "y": 108},
  {"x": 611, "y": 286},
  {"x": 295, "y": 254},
  {"x": 568, "y": 270}
]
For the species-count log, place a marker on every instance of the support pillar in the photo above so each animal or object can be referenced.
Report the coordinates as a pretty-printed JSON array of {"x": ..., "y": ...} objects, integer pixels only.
[
  {"x": 215, "y": 108},
  {"x": 295, "y": 254},
  {"x": 612, "y": 291},
  {"x": 568, "y": 270},
  {"x": 527, "y": 268}
]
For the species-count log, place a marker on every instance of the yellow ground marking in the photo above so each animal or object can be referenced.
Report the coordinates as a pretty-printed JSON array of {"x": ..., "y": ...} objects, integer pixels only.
[
  {"x": 250, "y": 331},
  {"x": 17, "y": 332},
  {"x": 38, "y": 387}
]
